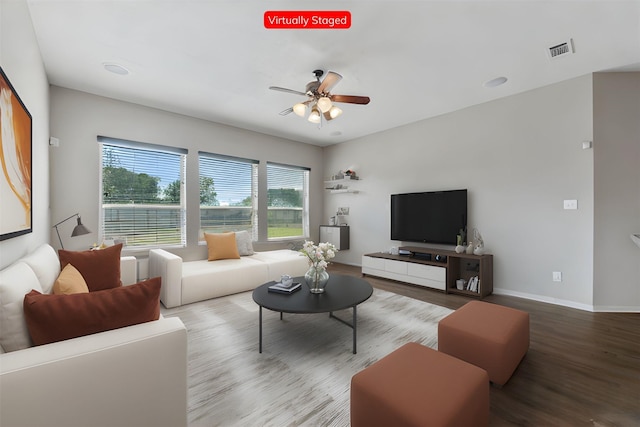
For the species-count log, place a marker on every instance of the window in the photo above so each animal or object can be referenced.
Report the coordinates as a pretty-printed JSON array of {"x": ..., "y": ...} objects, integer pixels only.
[
  {"x": 228, "y": 194},
  {"x": 287, "y": 201},
  {"x": 143, "y": 198}
]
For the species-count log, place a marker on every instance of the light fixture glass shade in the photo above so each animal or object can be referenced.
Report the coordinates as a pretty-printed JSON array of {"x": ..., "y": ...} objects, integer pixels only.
[
  {"x": 335, "y": 112},
  {"x": 300, "y": 109},
  {"x": 314, "y": 117},
  {"x": 324, "y": 104}
]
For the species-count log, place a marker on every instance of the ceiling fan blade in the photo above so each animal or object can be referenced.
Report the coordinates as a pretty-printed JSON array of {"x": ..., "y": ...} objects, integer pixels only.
[
  {"x": 329, "y": 82},
  {"x": 287, "y": 111},
  {"x": 284, "y": 89},
  {"x": 350, "y": 99}
]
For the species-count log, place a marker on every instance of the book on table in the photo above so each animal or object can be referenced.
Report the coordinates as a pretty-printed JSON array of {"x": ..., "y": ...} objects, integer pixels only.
[{"x": 281, "y": 289}]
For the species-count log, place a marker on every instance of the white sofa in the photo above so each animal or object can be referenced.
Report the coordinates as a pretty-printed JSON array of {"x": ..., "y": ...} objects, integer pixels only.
[
  {"x": 185, "y": 282},
  {"x": 133, "y": 376}
]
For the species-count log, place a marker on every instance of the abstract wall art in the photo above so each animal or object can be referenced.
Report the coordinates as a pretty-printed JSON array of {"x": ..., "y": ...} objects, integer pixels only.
[{"x": 15, "y": 161}]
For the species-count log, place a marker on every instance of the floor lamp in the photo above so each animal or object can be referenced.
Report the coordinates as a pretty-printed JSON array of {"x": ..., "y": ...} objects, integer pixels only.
[{"x": 78, "y": 230}]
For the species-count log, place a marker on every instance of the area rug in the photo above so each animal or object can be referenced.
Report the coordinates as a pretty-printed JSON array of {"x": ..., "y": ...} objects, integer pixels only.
[{"x": 302, "y": 377}]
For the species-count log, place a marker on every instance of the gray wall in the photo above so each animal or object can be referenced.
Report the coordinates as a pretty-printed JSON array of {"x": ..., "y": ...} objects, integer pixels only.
[
  {"x": 20, "y": 59},
  {"x": 520, "y": 157},
  {"x": 78, "y": 117},
  {"x": 617, "y": 189}
]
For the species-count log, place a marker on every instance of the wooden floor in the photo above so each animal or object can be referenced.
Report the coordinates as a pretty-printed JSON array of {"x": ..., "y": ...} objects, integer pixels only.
[{"x": 582, "y": 368}]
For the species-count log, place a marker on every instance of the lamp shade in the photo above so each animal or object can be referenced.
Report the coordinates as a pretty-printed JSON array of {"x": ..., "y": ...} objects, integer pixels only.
[
  {"x": 335, "y": 112},
  {"x": 80, "y": 229},
  {"x": 324, "y": 104},
  {"x": 300, "y": 109},
  {"x": 314, "y": 117}
]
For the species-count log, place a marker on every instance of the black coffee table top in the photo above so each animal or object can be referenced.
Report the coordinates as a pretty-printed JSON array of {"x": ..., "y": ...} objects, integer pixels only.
[{"x": 341, "y": 292}]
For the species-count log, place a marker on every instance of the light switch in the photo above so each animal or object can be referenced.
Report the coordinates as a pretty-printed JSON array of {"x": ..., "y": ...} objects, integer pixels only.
[{"x": 571, "y": 204}]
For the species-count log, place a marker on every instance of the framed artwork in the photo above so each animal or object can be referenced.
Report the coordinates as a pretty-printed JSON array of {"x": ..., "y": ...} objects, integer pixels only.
[{"x": 16, "y": 213}]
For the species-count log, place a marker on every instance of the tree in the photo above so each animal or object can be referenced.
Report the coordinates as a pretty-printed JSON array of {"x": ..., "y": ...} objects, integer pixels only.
[
  {"x": 172, "y": 192},
  {"x": 284, "y": 197},
  {"x": 123, "y": 186},
  {"x": 244, "y": 202},
  {"x": 208, "y": 195}
]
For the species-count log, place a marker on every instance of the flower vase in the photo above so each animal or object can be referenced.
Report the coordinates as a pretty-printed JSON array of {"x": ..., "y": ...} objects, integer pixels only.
[{"x": 316, "y": 279}]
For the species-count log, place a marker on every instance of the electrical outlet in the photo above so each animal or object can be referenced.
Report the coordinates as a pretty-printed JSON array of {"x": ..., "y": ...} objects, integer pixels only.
[
  {"x": 571, "y": 204},
  {"x": 557, "y": 276}
]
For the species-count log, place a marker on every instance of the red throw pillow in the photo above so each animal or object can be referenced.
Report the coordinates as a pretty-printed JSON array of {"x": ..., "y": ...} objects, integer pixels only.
[
  {"x": 52, "y": 318},
  {"x": 100, "y": 268}
]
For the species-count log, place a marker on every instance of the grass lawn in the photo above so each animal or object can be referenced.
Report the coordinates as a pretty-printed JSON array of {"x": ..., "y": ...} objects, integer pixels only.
[{"x": 274, "y": 232}]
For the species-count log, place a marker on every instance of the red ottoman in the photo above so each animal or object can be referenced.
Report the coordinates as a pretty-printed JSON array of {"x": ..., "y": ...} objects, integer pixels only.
[
  {"x": 490, "y": 336},
  {"x": 418, "y": 386}
]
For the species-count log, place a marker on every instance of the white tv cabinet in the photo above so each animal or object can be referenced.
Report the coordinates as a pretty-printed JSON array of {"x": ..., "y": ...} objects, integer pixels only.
[{"x": 423, "y": 269}]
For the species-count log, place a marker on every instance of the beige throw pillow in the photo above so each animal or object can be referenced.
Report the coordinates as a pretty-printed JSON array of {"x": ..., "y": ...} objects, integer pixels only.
[
  {"x": 221, "y": 246},
  {"x": 70, "y": 281}
]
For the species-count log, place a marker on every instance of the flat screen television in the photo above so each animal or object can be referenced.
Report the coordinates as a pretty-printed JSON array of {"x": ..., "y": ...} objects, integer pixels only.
[{"x": 429, "y": 217}]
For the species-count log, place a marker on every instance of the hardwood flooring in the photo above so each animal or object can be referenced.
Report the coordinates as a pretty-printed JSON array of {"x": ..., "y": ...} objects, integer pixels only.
[{"x": 582, "y": 368}]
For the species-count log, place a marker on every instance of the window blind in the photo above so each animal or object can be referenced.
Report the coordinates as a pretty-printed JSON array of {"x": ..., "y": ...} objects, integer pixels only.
[
  {"x": 142, "y": 193},
  {"x": 287, "y": 201},
  {"x": 228, "y": 194}
]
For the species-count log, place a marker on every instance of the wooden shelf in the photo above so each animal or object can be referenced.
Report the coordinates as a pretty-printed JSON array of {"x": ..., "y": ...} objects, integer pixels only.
[{"x": 457, "y": 266}]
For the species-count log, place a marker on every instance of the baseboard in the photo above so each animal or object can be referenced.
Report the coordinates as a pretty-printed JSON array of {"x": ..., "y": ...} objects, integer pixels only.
[
  {"x": 542, "y": 298},
  {"x": 616, "y": 309}
]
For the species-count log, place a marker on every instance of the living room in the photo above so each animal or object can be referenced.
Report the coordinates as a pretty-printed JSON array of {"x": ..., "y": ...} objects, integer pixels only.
[{"x": 519, "y": 157}]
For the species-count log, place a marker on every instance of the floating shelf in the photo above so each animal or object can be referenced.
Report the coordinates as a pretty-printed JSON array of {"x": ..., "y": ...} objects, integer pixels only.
[{"x": 341, "y": 190}]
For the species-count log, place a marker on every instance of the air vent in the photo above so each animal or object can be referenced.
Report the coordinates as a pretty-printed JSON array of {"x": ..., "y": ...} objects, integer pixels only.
[{"x": 560, "y": 50}]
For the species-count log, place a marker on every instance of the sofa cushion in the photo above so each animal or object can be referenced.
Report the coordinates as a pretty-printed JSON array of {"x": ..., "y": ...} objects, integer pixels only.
[
  {"x": 45, "y": 263},
  {"x": 202, "y": 280},
  {"x": 244, "y": 243},
  {"x": 100, "y": 268},
  {"x": 52, "y": 318},
  {"x": 70, "y": 281},
  {"x": 15, "y": 282},
  {"x": 221, "y": 246},
  {"x": 283, "y": 261}
]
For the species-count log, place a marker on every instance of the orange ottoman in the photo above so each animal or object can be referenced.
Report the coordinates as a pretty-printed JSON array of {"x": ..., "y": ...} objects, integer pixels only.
[
  {"x": 418, "y": 386},
  {"x": 490, "y": 336}
]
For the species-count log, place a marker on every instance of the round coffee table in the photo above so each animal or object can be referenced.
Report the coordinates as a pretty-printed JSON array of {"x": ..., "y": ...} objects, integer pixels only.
[{"x": 342, "y": 292}]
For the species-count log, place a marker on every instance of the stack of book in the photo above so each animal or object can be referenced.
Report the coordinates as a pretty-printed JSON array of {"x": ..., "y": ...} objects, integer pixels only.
[
  {"x": 474, "y": 284},
  {"x": 281, "y": 289}
]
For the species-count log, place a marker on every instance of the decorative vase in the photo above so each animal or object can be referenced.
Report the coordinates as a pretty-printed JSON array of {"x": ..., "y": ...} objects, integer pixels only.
[
  {"x": 316, "y": 279},
  {"x": 470, "y": 248}
]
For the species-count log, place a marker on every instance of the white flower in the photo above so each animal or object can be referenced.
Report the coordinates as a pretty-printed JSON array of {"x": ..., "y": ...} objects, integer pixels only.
[{"x": 319, "y": 255}]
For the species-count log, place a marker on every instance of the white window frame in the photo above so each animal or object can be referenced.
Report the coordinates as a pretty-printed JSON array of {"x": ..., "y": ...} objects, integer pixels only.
[
  {"x": 127, "y": 239},
  {"x": 305, "y": 200},
  {"x": 227, "y": 164}
]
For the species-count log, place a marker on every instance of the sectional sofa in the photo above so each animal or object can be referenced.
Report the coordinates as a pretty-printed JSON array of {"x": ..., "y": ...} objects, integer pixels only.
[
  {"x": 131, "y": 376},
  {"x": 185, "y": 282}
]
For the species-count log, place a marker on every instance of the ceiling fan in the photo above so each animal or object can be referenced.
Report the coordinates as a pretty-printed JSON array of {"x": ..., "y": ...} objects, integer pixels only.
[{"x": 320, "y": 100}]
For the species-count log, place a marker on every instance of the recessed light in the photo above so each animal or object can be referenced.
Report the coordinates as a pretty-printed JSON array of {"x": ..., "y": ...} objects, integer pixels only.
[
  {"x": 495, "y": 82},
  {"x": 336, "y": 133},
  {"x": 115, "y": 68}
]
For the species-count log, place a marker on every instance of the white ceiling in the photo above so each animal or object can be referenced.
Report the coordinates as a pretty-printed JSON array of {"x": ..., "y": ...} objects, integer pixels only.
[{"x": 416, "y": 59}]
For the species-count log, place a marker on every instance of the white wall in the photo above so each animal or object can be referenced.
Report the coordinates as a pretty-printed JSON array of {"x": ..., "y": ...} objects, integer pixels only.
[
  {"x": 77, "y": 118},
  {"x": 519, "y": 157},
  {"x": 20, "y": 59},
  {"x": 617, "y": 190}
]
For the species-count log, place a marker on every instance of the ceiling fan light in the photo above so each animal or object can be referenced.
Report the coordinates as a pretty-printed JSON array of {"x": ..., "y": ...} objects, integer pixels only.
[
  {"x": 324, "y": 104},
  {"x": 314, "y": 117},
  {"x": 300, "y": 109},
  {"x": 335, "y": 112}
]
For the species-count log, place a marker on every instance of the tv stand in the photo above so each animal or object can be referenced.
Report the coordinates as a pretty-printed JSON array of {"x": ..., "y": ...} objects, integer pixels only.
[{"x": 433, "y": 268}]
